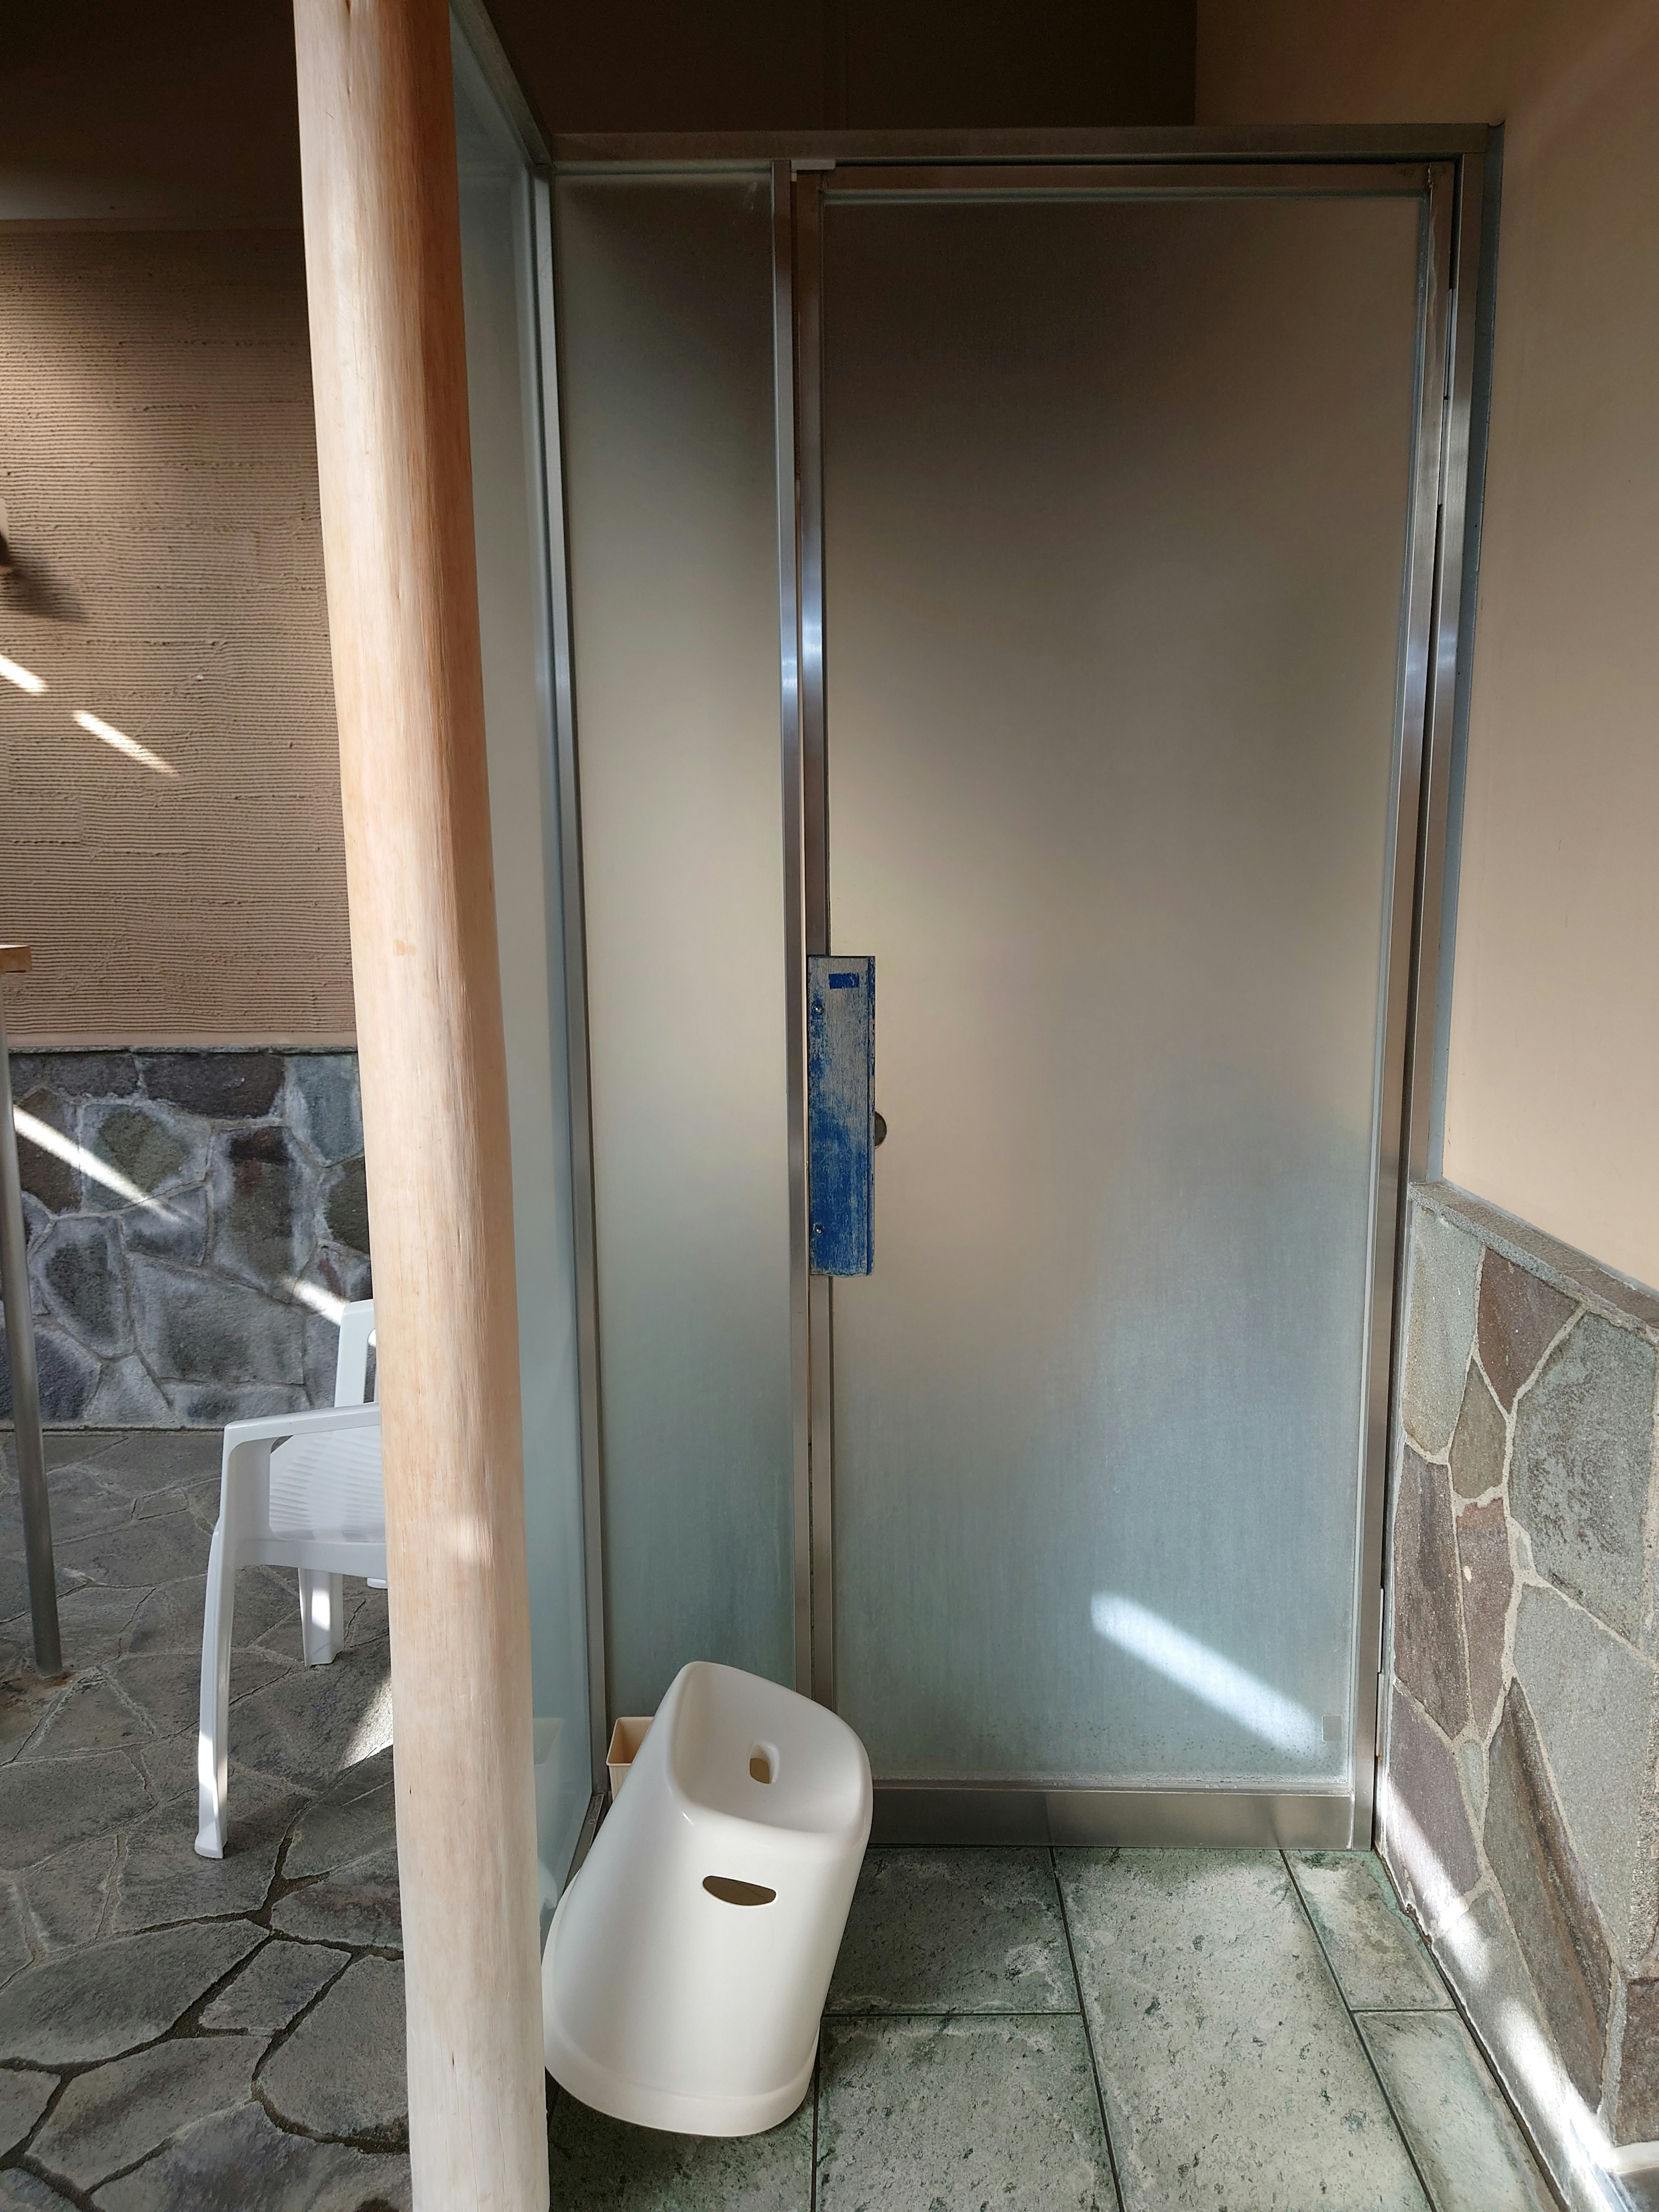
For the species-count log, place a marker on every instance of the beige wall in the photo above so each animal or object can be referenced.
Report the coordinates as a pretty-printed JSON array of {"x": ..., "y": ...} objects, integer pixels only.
[
  {"x": 1552, "y": 1101},
  {"x": 157, "y": 460}
]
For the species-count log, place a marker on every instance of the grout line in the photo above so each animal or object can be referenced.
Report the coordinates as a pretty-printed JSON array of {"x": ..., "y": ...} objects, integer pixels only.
[
  {"x": 1429, "y": 2197},
  {"x": 1088, "y": 2032},
  {"x": 957, "y": 2012}
]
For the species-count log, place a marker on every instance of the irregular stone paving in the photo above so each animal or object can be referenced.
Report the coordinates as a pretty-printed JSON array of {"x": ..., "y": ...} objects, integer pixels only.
[{"x": 175, "y": 2032}]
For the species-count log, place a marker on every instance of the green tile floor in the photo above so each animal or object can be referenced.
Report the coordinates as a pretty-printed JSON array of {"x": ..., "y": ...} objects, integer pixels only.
[{"x": 1075, "y": 2031}]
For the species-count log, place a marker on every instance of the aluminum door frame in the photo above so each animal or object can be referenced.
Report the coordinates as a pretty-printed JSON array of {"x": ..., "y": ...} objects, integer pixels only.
[
  {"x": 1449, "y": 161},
  {"x": 1449, "y": 190}
]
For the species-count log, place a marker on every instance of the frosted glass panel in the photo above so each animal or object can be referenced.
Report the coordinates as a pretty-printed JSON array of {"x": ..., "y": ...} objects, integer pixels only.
[
  {"x": 509, "y": 522},
  {"x": 666, "y": 398},
  {"x": 1115, "y": 501}
]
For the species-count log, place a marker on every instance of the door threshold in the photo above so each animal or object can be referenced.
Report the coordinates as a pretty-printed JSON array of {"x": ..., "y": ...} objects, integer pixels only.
[{"x": 942, "y": 1812}]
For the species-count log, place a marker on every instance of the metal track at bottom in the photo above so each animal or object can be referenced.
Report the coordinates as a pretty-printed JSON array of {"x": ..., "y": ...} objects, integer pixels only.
[{"x": 953, "y": 1813}]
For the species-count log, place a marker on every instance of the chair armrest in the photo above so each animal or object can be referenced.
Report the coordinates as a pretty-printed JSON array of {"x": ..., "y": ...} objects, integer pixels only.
[{"x": 321, "y": 1420}]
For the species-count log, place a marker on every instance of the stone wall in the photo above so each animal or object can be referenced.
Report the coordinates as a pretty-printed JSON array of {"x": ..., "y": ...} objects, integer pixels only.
[
  {"x": 1518, "y": 1804},
  {"x": 195, "y": 1219}
]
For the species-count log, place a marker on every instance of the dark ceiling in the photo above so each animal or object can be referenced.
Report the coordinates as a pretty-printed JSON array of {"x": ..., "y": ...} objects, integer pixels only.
[{"x": 186, "y": 108}]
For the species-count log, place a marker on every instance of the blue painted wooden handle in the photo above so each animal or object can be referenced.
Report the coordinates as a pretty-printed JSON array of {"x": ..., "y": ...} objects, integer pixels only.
[{"x": 841, "y": 1130}]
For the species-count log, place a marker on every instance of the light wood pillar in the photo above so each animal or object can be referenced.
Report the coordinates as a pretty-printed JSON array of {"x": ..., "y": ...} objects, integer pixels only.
[{"x": 383, "y": 269}]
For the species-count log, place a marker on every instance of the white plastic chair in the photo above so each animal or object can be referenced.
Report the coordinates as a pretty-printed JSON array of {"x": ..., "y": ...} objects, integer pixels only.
[{"x": 297, "y": 1490}]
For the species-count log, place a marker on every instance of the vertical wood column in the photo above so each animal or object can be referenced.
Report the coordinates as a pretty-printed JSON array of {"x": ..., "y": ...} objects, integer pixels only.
[{"x": 383, "y": 267}]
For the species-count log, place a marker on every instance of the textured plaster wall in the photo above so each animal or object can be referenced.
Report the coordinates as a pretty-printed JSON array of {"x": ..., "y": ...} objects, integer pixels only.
[
  {"x": 1519, "y": 1815},
  {"x": 157, "y": 464},
  {"x": 1554, "y": 1053}
]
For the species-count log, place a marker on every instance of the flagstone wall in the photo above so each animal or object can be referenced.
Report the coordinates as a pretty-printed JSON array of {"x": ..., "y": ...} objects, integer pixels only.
[
  {"x": 1518, "y": 1808},
  {"x": 195, "y": 1220}
]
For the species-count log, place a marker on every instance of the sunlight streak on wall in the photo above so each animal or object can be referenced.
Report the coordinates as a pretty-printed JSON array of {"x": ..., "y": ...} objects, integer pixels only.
[
  {"x": 76, "y": 1156},
  {"x": 122, "y": 743},
  {"x": 1215, "y": 1681}
]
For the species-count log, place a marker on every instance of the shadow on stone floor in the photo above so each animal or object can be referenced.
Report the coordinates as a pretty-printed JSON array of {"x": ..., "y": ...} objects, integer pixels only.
[{"x": 173, "y": 2031}]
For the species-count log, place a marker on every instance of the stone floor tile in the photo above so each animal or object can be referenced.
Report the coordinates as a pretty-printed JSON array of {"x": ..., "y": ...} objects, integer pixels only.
[
  {"x": 166, "y": 1686},
  {"x": 278, "y": 1981},
  {"x": 355, "y": 1816},
  {"x": 65, "y": 1897},
  {"x": 23, "y": 2192},
  {"x": 23, "y": 2098},
  {"x": 169, "y": 1618},
  {"x": 81, "y": 1505},
  {"x": 26, "y": 1704},
  {"x": 15, "y": 1953},
  {"x": 596, "y": 2162},
  {"x": 241, "y": 2159},
  {"x": 318, "y": 1720},
  {"x": 63, "y": 1448},
  {"x": 106, "y": 1998},
  {"x": 92, "y": 1716},
  {"x": 365, "y": 1619},
  {"x": 14, "y": 1586},
  {"x": 959, "y": 2114},
  {"x": 955, "y": 1931},
  {"x": 141, "y": 1553},
  {"x": 47, "y": 1804},
  {"x": 1378, "y": 1958},
  {"x": 368, "y": 1614},
  {"x": 141, "y": 1460},
  {"x": 112, "y": 2117},
  {"x": 168, "y": 1763},
  {"x": 1466, "y": 2145},
  {"x": 1232, "y": 2071},
  {"x": 341, "y": 2072},
  {"x": 363, "y": 1910},
  {"x": 160, "y": 1878},
  {"x": 91, "y": 1620},
  {"x": 199, "y": 1499}
]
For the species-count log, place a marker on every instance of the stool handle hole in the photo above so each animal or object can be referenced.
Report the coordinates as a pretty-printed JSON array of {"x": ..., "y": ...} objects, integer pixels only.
[{"x": 737, "y": 1892}]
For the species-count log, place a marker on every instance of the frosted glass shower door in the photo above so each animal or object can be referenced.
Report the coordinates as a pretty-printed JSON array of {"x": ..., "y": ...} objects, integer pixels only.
[
  {"x": 1116, "y": 495},
  {"x": 666, "y": 402}
]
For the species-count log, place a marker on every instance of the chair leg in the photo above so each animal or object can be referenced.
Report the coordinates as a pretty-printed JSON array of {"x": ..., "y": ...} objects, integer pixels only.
[
  {"x": 322, "y": 1616},
  {"x": 212, "y": 1742}
]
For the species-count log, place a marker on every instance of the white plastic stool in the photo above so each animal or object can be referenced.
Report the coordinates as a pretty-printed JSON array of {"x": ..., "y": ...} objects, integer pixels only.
[{"x": 688, "y": 1963}]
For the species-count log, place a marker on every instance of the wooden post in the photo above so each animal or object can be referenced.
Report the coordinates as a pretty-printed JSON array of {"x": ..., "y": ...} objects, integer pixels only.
[{"x": 384, "y": 272}]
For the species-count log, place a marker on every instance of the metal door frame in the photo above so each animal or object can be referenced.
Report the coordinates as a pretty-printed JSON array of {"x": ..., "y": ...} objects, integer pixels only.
[{"x": 1444, "y": 167}]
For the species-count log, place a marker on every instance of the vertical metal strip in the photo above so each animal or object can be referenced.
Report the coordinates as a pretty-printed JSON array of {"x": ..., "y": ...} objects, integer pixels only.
[
  {"x": 815, "y": 868},
  {"x": 1406, "y": 986},
  {"x": 794, "y": 913},
  {"x": 1462, "y": 215},
  {"x": 575, "y": 991}
]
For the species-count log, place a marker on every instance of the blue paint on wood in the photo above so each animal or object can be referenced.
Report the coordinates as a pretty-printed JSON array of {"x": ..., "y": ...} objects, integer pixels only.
[{"x": 840, "y": 1128}]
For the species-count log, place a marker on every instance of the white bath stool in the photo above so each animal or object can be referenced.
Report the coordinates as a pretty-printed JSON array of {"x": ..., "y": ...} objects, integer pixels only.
[{"x": 688, "y": 1963}]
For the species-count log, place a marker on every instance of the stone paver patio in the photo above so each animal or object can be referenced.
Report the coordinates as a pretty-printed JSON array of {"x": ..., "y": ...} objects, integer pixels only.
[{"x": 174, "y": 2032}]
